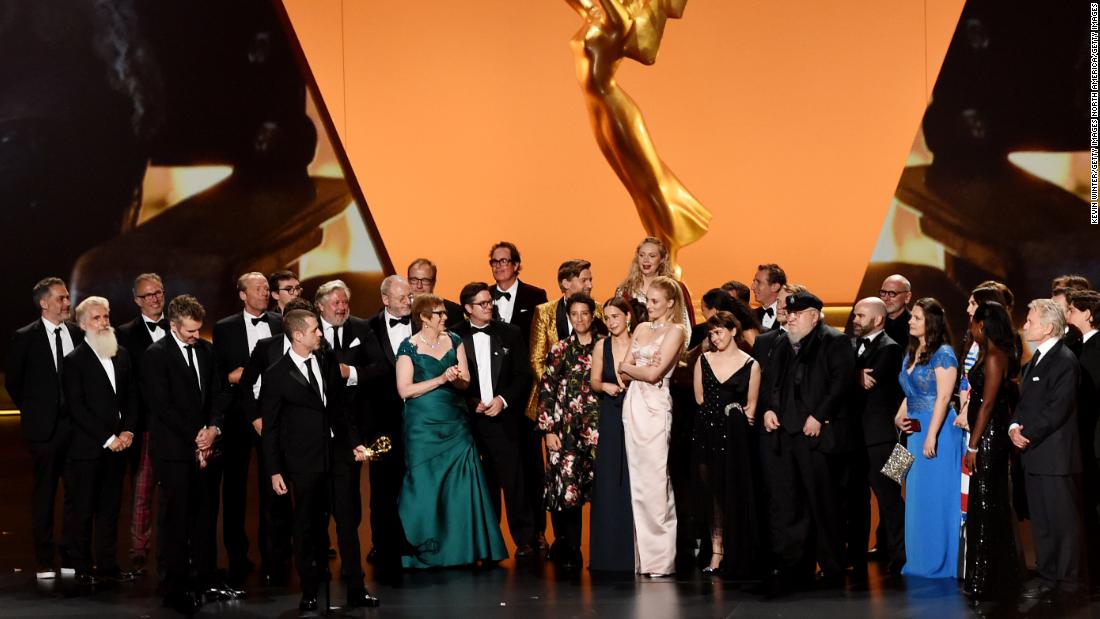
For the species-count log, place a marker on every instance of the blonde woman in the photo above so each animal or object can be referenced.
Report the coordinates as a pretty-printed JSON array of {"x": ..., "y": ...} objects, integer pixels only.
[
  {"x": 651, "y": 260},
  {"x": 647, "y": 423}
]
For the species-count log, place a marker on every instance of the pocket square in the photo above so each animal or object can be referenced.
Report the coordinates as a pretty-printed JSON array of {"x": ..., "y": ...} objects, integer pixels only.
[
  {"x": 1034, "y": 379},
  {"x": 354, "y": 343},
  {"x": 522, "y": 309}
]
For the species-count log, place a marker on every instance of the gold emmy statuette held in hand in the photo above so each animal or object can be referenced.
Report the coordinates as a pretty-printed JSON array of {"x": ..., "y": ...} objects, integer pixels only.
[
  {"x": 613, "y": 30},
  {"x": 380, "y": 446}
]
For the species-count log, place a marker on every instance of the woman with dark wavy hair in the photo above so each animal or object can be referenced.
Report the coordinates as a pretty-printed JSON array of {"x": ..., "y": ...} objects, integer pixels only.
[
  {"x": 991, "y": 559},
  {"x": 932, "y": 515}
]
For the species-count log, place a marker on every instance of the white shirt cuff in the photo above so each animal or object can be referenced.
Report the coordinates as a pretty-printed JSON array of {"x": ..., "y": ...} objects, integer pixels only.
[
  {"x": 110, "y": 441},
  {"x": 1013, "y": 425},
  {"x": 503, "y": 401},
  {"x": 353, "y": 376}
]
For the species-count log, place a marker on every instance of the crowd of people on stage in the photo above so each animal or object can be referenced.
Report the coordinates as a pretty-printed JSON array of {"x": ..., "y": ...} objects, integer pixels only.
[{"x": 747, "y": 445}]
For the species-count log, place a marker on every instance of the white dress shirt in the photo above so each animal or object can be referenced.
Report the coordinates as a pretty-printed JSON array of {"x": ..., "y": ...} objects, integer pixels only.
[
  {"x": 330, "y": 336},
  {"x": 1042, "y": 351},
  {"x": 260, "y": 379},
  {"x": 109, "y": 368},
  {"x": 870, "y": 340},
  {"x": 300, "y": 362},
  {"x": 767, "y": 321},
  {"x": 505, "y": 306},
  {"x": 195, "y": 355},
  {"x": 483, "y": 356},
  {"x": 255, "y": 332},
  {"x": 398, "y": 333},
  {"x": 1085, "y": 337},
  {"x": 66, "y": 340},
  {"x": 156, "y": 334}
]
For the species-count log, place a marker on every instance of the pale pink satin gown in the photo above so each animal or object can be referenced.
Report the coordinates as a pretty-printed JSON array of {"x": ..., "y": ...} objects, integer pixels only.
[{"x": 647, "y": 423}]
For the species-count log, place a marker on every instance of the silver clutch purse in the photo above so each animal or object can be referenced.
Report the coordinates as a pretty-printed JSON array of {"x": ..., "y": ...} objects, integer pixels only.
[{"x": 897, "y": 467}]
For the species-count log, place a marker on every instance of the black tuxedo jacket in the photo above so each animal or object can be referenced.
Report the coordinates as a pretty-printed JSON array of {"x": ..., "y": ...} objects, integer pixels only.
[
  {"x": 1088, "y": 396},
  {"x": 876, "y": 407},
  {"x": 134, "y": 336},
  {"x": 267, "y": 352},
  {"x": 379, "y": 378},
  {"x": 763, "y": 350},
  {"x": 760, "y": 318},
  {"x": 97, "y": 410},
  {"x": 455, "y": 314},
  {"x": 231, "y": 347},
  {"x": 898, "y": 330},
  {"x": 528, "y": 297},
  {"x": 179, "y": 408},
  {"x": 511, "y": 370},
  {"x": 32, "y": 381},
  {"x": 1048, "y": 413},
  {"x": 298, "y": 425},
  {"x": 816, "y": 381}
]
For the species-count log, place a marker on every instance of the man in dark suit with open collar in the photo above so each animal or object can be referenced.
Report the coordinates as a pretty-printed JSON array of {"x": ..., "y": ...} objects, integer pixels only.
[
  {"x": 514, "y": 301},
  {"x": 234, "y": 338},
  {"x": 875, "y": 401},
  {"x": 500, "y": 379},
  {"x": 1084, "y": 314},
  {"x": 304, "y": 409},
  {"x": 33, "y": 378},
  {"x": 422, "y": 278},
  {"x": 896, "y": 292},
  {"x": 1044, "y": 426},
  {"x": 101, "y": 390},
  {"x": 151, "y": 325},
  {"x": 180, "y": 384},
  {"x": 386, "y": 330}
]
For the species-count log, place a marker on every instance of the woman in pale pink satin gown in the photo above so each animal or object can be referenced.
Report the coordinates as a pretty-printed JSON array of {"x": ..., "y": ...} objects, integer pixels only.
[{"x": 647, "y": 422}]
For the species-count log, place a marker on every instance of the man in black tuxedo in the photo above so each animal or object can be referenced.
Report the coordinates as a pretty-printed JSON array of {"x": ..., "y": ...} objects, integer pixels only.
[
  {"x": 500, "y": 379},
  {"x": 1084, "y": 314},
  {"x": 807, "y": 427},
  {"x": 234, "y": 338},
  {"x": 33, "y": 379},
  {"x": 101, "y": 390},
  {"x": 514, "y": 301},
  {"x": 285, "y": 287},
  {"x": 344, "y": 339},
  {"x": 876, "y": 397},
  {"x": 1044, "y": 426},
  {"x": 1072, "y": 338},
  {"x": 896, "y": 292},
  {"x": 766, "y": 284},
  {"x": 135, "y": 336},
  {"x": 422, "y": 277},
  {"x": 180, "y": 384},
  {"x": 385, "y": 332},
  {"x": 303, "y": 410}
]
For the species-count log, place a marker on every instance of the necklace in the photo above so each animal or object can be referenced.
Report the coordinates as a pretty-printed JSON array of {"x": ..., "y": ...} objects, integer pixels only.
[
  {"x": 657, "y": 325},
  {"x": 425, "y": 342}
]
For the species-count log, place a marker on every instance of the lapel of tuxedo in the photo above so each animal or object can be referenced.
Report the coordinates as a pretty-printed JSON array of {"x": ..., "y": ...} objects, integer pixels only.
[
  {"x": 297, "y": 376},
  {"x": 471, "y": 354},
  {"x": 381, "y": 330},
  {"x": 42, "y": 345},
  {"x": 496, "y": 355}
]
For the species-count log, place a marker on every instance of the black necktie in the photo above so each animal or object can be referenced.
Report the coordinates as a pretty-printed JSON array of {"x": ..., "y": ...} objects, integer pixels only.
[
  {"x": 59, "y": 351},
  {"x": 313, "y": 384},
  {"x": 336, "y": 338},
  {"x": 1031, "y": 364},
  {"x": 497, "y": 294},
  {"x": 396, "y": 321},
  {"x": 262, "y": 318},
  {"x": 152, "y": 326},
  {"x": 191, "y": 364},
  {"x": 770, "y": 312}
]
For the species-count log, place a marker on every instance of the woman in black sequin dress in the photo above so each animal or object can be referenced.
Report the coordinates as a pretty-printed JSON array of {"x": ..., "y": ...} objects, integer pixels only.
[
  {"x": 991, "y": 560},
  {"x": 727, "y": 381}
]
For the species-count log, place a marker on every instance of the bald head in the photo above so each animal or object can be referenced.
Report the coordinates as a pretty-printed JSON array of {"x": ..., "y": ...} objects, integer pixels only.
[
  {"x": 868, "y": 316},
  {"x": 896, "y": 293}
]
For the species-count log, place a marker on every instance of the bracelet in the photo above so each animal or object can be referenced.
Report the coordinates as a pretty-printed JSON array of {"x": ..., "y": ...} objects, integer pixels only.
[{"x": 973, "y": 451}]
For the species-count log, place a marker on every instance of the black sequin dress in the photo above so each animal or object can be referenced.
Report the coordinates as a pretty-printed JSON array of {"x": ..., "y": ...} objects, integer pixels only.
[
  {"x": 723, "y": 446},
  {"x": 991, "y": 560}
]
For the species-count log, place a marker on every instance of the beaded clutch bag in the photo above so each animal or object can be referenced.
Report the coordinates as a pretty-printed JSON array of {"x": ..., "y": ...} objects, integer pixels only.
[{"x": 897, "y": 467}]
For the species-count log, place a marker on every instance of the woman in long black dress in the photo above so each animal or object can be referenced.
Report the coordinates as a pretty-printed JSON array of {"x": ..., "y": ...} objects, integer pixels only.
[
  {"x": 612, "y": 519},
  {"x": 991, "y": 560},
  {"x": 727, "y": 382}
]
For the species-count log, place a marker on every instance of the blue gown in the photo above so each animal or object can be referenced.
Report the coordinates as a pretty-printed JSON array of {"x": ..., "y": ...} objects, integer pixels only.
[{"x": 933, "y": 508}]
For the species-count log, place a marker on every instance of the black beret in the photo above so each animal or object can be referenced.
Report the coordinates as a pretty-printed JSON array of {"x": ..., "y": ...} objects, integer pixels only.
[{"x": 803, "y": 300}]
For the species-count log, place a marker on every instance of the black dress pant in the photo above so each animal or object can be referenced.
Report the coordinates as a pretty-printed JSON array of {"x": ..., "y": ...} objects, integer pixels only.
[
  {"x": 276, "y": 518},
  {"x": 890, "y": 536},
  {"x": 310, "y": 491},
  {"x": 534, "y": 471},
  {"x": 347, "y": 509},
  {"x": 187, "y": 523},
  {"x": 48, "y": 459},
  {"x": 386, "y": 476},
  {"x": 855, "y": 507},
  {"x": 236, "y": 445},
  {"x": 567, "y": 528},
  {"x": 803, "y": 505},
  {"x": 97, "y": 496},
  {"x": 498, "y": 442},
  {"x": 1056, "y": 513}
]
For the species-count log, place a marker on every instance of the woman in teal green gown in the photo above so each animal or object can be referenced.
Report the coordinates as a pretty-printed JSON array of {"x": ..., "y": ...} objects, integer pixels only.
[{"x": 444, "y": 504}]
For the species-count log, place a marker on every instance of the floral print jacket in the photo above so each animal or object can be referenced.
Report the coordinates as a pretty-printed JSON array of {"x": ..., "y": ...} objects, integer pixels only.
[{"x": 569, "y": 409}]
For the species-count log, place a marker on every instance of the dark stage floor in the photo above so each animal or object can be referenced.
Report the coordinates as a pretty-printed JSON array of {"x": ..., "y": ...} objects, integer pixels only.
[{"x": 525, "y": 592}]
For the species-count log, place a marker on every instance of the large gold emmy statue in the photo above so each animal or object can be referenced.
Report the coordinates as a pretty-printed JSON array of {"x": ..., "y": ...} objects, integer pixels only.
[{"x": 613, "y": 30}]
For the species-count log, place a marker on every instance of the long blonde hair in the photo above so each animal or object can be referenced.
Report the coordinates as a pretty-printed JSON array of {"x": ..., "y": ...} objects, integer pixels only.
[
  {"x": 672, "y": 290},
  {"x": 633, "y": 281}
]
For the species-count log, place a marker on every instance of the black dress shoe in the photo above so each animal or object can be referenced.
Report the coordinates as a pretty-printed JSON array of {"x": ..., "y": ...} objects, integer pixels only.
[
  {"x": 331, "y": 553},
  {"x": 116, "y": 575},
  {"x": 183, "y": 603},
  {"x": 876, "y": 554},
  {"x": 540, "y": 541},
  {"x": 372, "y": 555},
  {"x": 308, "y": 603},
  {"x": 86, "y": 579},
  {"x": 361, "y": 598},
  {"x": 524, "y": 551},
  {"x": 1042, "y": 592},
  {"x": 137, "y": 564}
]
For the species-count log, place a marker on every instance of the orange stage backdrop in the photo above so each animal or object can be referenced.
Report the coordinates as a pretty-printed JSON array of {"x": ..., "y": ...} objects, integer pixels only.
[{"x": 791, "y": 121}]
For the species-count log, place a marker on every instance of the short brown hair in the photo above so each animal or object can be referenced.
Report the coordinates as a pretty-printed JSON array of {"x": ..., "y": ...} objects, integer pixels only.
[
  {"x": 511, "y": 249},
  {"x": 185, "y": 306},
  {"x": 1080, "y": 282},
  {"x": 294, "y": 321},
  {"x": 1086, "y": 301},
  {"x": 776, "y": 275},
  {"x": 724, "y": 320},
  {"x": 425, "y": 263},
  {"x": 424, "y": 304},
  {"x": 572, "y": 268},
  {"x": 299, "y": 303},
  {"x": 41, "y": 290}
]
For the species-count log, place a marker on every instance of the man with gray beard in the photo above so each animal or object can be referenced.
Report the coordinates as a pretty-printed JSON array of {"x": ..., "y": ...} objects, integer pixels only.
[{"x": 101, "y": 391}]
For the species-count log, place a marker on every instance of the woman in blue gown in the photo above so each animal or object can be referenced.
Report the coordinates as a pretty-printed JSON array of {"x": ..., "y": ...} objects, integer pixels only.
[
  {"x": 444, "y": 503},
  {"x": 933, "y": 514}
]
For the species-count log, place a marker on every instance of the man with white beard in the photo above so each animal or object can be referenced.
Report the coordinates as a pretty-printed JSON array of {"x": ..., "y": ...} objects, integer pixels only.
[{"x": 101, "y": 391}]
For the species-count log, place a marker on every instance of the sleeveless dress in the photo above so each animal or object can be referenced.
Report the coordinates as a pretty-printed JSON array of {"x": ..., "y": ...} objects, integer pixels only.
[
  {"x": 991, "y": 559},
  {"x": 647, "y": 425},
  {"x": 723, "y": 448},
  {"x": 933, "y": 509},
  {"x": 612, "y": 522},
  {"x": 444, "y": 503}
]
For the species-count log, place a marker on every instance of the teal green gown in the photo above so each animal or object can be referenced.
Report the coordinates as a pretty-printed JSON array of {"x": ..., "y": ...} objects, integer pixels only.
[{"x": 444, "y": 504}]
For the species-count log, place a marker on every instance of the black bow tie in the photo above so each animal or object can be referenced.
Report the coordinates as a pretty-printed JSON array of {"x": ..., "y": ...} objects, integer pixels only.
[
  {"x": 153, "y": 326},
  {"x": 498, "y": 294},
  {"x": 262, "y": 318},
  {"x": 484, "y": 329},
  {"x": 769, "y": 311},
  {"x": 396, "y": 321},
  {"x": 864, "y": 342}
]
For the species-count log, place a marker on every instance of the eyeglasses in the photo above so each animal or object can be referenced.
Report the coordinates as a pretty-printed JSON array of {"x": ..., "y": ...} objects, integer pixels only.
[
  {"x": 421, "y": 281},
  {"x": 500, "y": 262},
  {"x": 291, "y": 289},
  {"x": 150, "y": 295},
  {"x": 890, "y": 294},
  {"x": 439, "y": 312},
  {"x": 483, "y": 304}
]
